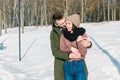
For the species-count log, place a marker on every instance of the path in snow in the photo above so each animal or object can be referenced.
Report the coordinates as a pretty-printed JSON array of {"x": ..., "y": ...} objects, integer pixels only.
[
  {"x": 101, "y": 65},
  {"x": 113, "y": 60}
]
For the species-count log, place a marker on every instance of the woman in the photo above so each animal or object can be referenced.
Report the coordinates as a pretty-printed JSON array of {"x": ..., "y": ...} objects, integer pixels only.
[{"x": 74, "y": 39}]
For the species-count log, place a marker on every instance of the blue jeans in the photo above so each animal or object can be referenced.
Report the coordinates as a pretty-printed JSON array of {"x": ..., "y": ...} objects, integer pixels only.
[{"x": 74, "y": 70}]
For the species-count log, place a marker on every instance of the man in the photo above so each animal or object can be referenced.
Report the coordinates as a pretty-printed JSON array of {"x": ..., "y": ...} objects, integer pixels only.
[{"x": 59, "y": 22}]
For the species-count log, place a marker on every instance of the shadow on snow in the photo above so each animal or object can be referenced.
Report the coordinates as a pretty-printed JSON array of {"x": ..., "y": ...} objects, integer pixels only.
[{"x": 114, "y": 61}]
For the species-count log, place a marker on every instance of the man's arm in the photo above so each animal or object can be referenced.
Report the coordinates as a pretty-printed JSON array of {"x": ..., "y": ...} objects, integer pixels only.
[{"x": 56, "y": 49}]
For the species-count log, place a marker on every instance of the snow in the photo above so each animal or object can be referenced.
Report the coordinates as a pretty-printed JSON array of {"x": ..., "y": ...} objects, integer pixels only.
[{"x": 103, "y": 59}]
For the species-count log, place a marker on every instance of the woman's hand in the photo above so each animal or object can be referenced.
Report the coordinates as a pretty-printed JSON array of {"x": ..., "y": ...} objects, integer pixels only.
[
  {"x": 84, "y": 41},
  {"x": 69, "y": 25},
  {"x": 76, "y": 52},
  {"x": 74, "y": 56}
]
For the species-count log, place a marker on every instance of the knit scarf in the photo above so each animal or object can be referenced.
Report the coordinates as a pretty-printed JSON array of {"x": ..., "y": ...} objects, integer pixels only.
[{"x": 73, "y": 36}]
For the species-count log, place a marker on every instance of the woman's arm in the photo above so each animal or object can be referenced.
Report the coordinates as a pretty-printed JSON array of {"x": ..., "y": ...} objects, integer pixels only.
[
  {"x": 84, "y": 41},
  {"x": 74, "y": 53}
]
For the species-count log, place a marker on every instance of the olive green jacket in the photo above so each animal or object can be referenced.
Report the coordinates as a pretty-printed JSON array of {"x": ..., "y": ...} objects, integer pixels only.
[{"x": 59, "y": 56}]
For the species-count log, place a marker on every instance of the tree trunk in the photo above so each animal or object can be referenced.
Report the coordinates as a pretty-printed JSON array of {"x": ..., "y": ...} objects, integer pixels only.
[
  {"x": 15, "y": 12},
  {"x": 0, "y": 24},
  {"x": 112, "y": 14},
  {"x": 114, "y": 10},
  {"x": 85, "y": 8},
  {"x": 29, "y": 19},
  {"x": 22, "y": 15},
  {"x": 104, "y": 18},
  {"x": 98, "y": 13},
  {"x": 82, "y": 12},
  {"x": 10, "y": 14},
  {"x": 108, "y": 10},
  {"x": 32, "y": 18},
  {"x": 66, "y": 8},
  {"x": 4, "y": 21},
  {"x": 36, "y": 12},
  {"x": 119, "y": 13},
  {"x": 28, "y": 13},
  {"x": 42, "y": 18},
  {"x": 45, "y": 9}
]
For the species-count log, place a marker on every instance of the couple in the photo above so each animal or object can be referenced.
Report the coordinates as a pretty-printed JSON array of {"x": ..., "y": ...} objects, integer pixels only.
[{"x": 69, "y": 45}]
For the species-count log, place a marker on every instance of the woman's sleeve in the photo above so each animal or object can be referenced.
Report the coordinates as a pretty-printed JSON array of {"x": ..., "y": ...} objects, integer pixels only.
[
  {"x": 83, "y": 50},
  {"x": 85, "y": 35}
]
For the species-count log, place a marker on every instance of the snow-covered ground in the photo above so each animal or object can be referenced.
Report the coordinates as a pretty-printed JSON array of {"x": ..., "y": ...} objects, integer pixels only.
[{"x": 103, "y": 59}]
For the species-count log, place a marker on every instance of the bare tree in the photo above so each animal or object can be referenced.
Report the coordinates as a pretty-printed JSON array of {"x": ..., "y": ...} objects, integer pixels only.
[
  {"x": 15, "y": 12},
  {"x": 119, "y": 13},
  {"x": 104, "y": 18},
  {"x": 113, "y": 10},
  {"x": 30, "y": 12},
  {"x": 22, "y": 15},
  {"x": 42, "y": 14},
  {"x": 0, "y": 22},
  {"x": 10, "y": 12},
  {"x": 108, "y": 10},
  {"x": 66, "y": 7},
  {"x": 36, "y": 12},
  {"x": 82, "y": 12},
  {"x": 98, "y": 15},
  {"x": 45, "y": 9},
  {"x": 4, "y": 19},
  {"x": 4, "y": 16},
  {"x": 85, "y": 10}
]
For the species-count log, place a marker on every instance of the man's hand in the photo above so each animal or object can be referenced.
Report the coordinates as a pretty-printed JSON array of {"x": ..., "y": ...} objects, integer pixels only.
[{"x": 85, "y": 43}]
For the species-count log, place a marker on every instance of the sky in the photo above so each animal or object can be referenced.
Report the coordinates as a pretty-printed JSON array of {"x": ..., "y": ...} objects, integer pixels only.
[{"x": 37, "y": 61}]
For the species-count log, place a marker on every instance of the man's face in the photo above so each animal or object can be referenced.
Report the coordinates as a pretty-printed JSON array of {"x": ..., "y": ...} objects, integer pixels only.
[{"x": 61, "y": 23}]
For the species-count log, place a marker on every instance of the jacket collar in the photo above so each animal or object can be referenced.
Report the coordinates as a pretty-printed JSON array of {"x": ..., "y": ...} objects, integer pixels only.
[{"x": 56, "y": 28}]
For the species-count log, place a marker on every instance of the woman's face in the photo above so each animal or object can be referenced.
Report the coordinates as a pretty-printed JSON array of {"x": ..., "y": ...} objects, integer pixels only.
[{"x": 69, "y": 25}]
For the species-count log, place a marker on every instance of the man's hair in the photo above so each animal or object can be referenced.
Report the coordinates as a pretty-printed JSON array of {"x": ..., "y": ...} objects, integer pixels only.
[{"x": 57, "y": 16}]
